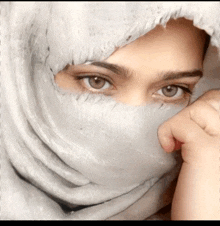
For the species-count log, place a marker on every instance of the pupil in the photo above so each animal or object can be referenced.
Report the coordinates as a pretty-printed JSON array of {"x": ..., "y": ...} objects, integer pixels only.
[
  {"x": 169, "y": 91},
  {"x": 96, "y": 82}
]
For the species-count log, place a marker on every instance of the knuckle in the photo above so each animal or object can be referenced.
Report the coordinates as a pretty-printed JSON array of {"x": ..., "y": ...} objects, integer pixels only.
[
  {"x": 192, "y": 135},
  {"x": 206, "y": 116},
  {"x": 212, "y": 97},
  {"x": 206, "y": 106},
  {"x": 212, "y": 93},
  {"x": 199, "y": 108}
]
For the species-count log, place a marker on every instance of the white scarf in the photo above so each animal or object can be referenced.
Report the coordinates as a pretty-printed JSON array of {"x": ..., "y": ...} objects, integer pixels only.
[{"x": 85, "y": 149}]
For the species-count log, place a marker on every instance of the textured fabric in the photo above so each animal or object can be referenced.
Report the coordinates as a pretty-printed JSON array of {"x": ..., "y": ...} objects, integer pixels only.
[{"x": 85, "y": 149}]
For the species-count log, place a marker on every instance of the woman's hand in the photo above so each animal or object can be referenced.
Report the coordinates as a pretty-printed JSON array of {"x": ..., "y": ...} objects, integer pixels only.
[{"x": 196, "y": 130}]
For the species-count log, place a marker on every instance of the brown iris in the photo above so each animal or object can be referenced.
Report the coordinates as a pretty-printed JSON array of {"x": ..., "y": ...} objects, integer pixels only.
[
  {"x": 170, "y": 91},
  {"x": 96, "y": 82}
]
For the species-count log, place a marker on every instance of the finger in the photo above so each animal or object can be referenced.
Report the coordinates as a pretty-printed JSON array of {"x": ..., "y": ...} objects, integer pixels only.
[
  {"x": 206, "y": 116},
  {"x": 165, "y": 137},
  {"x": 179, "y": 130},
  {"x": 178, "y": 145},
  {"x": 212, "y": 97}
]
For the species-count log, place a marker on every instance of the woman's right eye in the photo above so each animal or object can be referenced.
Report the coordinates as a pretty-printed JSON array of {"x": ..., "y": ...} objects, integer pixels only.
[{"x": 95, "y": 83}]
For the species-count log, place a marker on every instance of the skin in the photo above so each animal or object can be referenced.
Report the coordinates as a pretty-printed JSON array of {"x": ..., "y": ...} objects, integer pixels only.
[
  {"x": 196, "y": 129},
  {"x": 167, "y": 51},
  {"x": 178, "y": 48}
]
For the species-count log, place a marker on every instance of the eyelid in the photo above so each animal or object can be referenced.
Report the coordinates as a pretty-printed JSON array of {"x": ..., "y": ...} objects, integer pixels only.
[
  {"x": 184, "y": 89},
  {"x": 92, "y": 75},
  {"x": 94, "y": 89},
  {"x": 107, "y": 91},
  {"x": 172, "y": 100}
]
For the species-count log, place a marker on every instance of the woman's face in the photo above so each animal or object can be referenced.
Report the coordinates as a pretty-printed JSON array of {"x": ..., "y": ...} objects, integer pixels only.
[{"x": 162, "y": 66}]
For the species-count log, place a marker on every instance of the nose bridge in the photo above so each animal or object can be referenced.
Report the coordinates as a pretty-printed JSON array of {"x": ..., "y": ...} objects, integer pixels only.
[{"x": 135, "y": 95}]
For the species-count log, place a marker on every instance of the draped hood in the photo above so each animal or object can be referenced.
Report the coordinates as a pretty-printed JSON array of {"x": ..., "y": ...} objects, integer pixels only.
[{"x": 85, "y": 156}]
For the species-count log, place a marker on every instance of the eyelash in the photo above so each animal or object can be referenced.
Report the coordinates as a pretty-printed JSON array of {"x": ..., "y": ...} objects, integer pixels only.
[
  {"x": 186, "y": 90},
  {"x": 184, "y": 97},
  {"x": 81, "y": 77}
]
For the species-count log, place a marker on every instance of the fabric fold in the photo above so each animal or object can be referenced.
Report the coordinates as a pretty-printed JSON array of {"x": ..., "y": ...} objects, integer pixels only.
[{"x": 88, "y": 149}]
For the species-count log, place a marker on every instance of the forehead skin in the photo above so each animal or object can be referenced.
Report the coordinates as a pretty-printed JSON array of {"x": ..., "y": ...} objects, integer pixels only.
[{"x": 178, "y": 47}]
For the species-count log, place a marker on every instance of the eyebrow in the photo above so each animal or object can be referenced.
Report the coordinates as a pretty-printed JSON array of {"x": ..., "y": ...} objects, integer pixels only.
[
  {"x": 170, "y": 75},
  {"x": 182, "y": 74},
  {"x": 121, "y": 71}
]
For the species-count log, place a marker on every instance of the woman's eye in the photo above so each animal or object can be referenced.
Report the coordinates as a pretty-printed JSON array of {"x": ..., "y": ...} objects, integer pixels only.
[
  {"x": 173, "y": 91},
  {"x": 96, "y": 82}
]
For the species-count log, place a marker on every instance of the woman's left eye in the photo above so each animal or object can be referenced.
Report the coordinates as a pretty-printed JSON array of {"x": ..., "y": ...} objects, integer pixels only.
[
  {"x": 173, "y": 91},
  {"x": 96, "y": 83}
]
